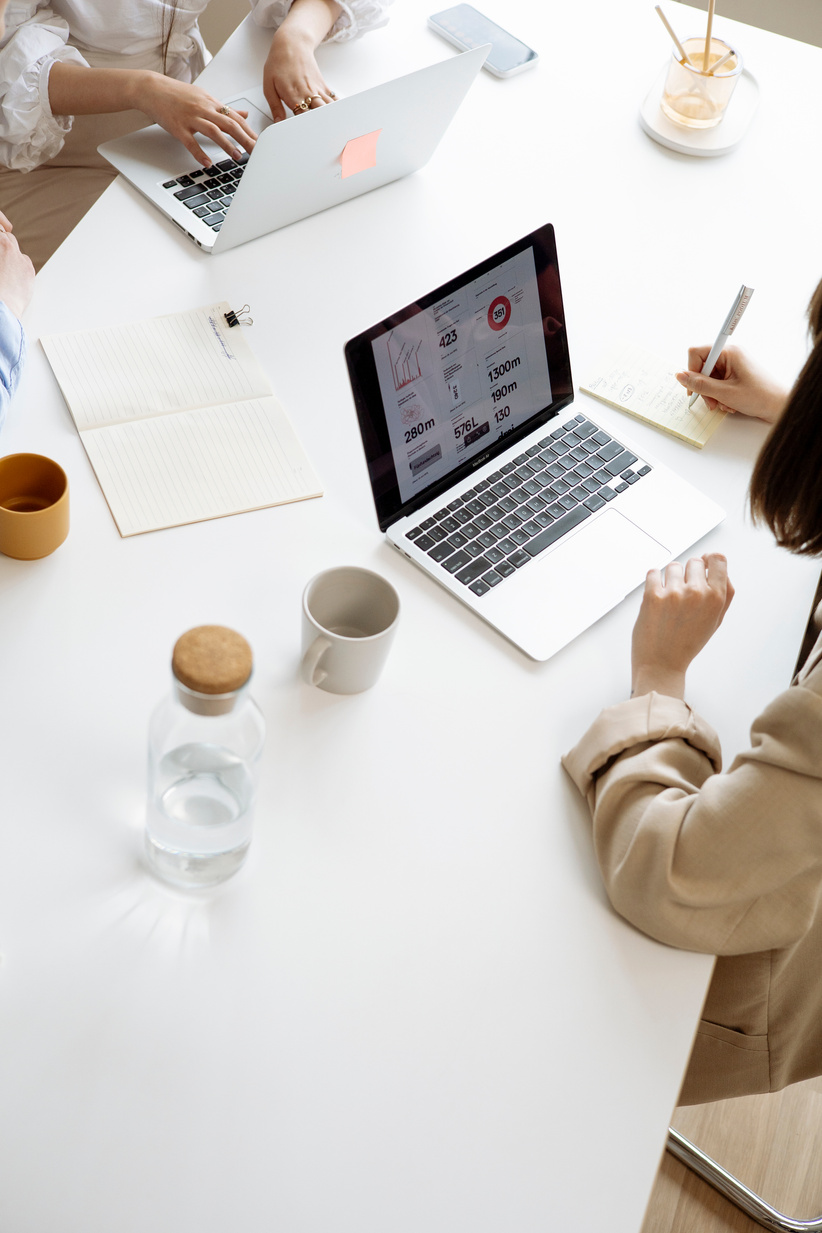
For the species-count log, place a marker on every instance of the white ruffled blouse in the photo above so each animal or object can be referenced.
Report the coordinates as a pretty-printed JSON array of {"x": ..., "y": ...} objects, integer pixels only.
[{"x": 112, "y": 34}]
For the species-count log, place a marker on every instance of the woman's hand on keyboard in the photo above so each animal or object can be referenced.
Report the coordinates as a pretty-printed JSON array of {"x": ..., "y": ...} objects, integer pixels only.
[
  {"x": 184, "y": 110},
  {"x": 291, "y": 75},
  {"x": 736, "y": 386}
]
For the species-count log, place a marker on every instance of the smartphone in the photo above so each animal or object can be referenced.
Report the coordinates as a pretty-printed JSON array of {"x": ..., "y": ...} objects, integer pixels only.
[{"x": 467, "y": 28}]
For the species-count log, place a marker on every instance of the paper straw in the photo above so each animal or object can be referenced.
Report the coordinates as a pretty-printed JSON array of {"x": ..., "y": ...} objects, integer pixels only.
[
  {"x": 720, "y": 63},
  {"x": 707, "y": 52},
  {"x": 682, "y": 52}
]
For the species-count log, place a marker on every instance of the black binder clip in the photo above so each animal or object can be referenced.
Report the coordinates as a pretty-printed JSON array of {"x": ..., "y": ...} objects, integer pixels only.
[{"x": 240, "y": 317}]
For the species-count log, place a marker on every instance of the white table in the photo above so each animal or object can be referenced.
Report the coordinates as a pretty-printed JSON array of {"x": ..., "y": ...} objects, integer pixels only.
[{"x": 413, "y": 1009}]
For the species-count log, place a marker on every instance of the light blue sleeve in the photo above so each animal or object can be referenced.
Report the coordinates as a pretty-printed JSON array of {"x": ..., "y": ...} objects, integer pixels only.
[{"x": 12, "y": 355}]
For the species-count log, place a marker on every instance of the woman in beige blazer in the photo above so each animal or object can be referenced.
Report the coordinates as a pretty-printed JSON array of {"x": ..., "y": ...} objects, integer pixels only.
[{"x": 731, "y": 863}]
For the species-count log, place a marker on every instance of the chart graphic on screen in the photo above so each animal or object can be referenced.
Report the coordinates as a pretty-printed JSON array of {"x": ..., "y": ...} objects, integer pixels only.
[
  {"x": 405, "y": 361},
  {"x": 463, "y": 372}
]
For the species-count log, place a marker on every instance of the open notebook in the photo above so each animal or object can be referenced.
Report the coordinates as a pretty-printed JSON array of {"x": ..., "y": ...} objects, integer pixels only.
[
  {"x": 179, "y": 420},
  {"x": 638, "y": 382}
]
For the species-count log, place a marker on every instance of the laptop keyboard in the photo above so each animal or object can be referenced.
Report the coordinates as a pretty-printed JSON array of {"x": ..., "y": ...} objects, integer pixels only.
[
  {"x": 491, "y": 531},
  {"x": 208, "y": 191}
]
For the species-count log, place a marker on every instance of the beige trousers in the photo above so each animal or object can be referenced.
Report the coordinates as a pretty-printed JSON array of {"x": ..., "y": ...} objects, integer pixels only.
[{"x": 44, "y": 205}]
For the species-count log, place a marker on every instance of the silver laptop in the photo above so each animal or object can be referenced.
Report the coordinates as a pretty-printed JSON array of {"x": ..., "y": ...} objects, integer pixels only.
[
  {"x": 486, "y": 476},
  {"x": 303, "y": 164}
]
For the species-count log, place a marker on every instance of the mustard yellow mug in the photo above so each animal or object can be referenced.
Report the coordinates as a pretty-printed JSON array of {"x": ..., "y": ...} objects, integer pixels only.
[{"x": 34, "y": 506}]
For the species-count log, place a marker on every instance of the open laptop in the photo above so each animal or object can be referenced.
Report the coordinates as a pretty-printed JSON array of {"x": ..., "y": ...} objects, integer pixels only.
[
  {"x": 303, "y": 164},
  {"x": 483, "y": 473}
]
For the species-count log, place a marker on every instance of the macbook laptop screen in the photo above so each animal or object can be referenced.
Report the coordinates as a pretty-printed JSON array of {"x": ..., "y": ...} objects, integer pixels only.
[{"x": 448, "y": 382}]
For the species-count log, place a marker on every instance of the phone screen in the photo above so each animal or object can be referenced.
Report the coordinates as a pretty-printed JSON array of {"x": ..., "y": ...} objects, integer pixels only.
[{"x": 467, "y": 27}]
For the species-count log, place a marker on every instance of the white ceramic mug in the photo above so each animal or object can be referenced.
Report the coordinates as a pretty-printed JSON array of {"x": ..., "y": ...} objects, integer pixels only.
[{"x": 350, "y": 617}]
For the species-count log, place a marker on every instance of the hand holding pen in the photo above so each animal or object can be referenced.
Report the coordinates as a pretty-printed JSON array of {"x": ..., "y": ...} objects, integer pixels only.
[
  {"x": 736, "y": 385},
  {"x": 728, "y": 326},
  {"x": 725, "y": 377}
]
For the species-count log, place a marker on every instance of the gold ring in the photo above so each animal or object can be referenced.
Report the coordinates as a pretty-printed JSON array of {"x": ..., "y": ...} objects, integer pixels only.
[
  {"x": 331, "y": 94},
  {"x": 303, "y": 106},
  {"x": 224, "y": 111}
]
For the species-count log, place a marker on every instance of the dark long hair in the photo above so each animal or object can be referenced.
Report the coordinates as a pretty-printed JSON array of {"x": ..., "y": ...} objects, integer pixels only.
[{"x": 786, "y": 485}]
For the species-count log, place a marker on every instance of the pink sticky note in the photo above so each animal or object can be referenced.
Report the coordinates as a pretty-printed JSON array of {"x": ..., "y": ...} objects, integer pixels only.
[{"x": 360, "y": 153}]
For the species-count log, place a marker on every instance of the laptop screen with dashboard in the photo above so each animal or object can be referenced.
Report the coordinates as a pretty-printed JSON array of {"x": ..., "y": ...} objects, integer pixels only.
[{"x": 447, "y": 383}]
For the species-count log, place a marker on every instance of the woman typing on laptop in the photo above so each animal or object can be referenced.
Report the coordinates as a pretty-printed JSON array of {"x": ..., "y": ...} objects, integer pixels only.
[
  {"x": 76, "y": 73},
  {"x": 729, "y": 864}
]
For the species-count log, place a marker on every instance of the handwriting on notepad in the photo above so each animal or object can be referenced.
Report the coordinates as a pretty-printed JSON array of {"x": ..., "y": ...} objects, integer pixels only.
[{"x": 643, "y": 385}]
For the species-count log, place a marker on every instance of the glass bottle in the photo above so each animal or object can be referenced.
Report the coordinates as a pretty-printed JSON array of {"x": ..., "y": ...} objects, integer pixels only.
[{"x": 205, "y": 743}]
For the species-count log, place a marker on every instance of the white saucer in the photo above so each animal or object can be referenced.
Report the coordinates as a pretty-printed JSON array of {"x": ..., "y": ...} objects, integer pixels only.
[{"x": 702, "y": 142}]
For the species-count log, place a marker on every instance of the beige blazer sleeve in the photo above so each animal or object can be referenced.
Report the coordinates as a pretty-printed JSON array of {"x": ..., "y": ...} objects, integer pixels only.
[{"x": 722, "y": 863}]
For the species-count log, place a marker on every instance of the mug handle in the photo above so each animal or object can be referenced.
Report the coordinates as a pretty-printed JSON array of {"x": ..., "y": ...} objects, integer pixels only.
[{"x": 311, "y": 660}]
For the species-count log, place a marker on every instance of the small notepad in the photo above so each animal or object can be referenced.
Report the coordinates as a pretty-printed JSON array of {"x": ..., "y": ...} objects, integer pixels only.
[
  {"x": 179, "y": 420},
  {"x": 639, "y": 382}
]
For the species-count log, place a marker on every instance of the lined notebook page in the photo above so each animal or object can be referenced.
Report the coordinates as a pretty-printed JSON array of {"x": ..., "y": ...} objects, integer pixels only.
[
  {"x": 170, "y": 470},
  {"x": 153, "y": 367},
  {"x": 639, "y": 382},
  {"x": 179, "y": 421}
]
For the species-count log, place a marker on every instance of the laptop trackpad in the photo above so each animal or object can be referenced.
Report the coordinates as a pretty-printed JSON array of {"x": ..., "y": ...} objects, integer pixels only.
[
  {"x": 578, "y": 582},
  {"x": 256, "y": 118},
  {"x": 610, "y": 552}
]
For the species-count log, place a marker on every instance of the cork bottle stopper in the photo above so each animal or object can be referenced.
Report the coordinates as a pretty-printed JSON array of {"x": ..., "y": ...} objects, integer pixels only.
[{"x": 212, "y": 659}]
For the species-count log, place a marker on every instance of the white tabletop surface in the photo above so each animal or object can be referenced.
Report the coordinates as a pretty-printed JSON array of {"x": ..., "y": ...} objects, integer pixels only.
[{"x": 413, "y": 1009}]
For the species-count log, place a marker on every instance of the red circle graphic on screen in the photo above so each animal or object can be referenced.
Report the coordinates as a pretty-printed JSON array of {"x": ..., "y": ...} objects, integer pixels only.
[{"x": 499, "y": 314}]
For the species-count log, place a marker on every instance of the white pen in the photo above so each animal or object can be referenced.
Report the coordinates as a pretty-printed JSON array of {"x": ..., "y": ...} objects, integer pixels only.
[{"x": 731, "y": 322}]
